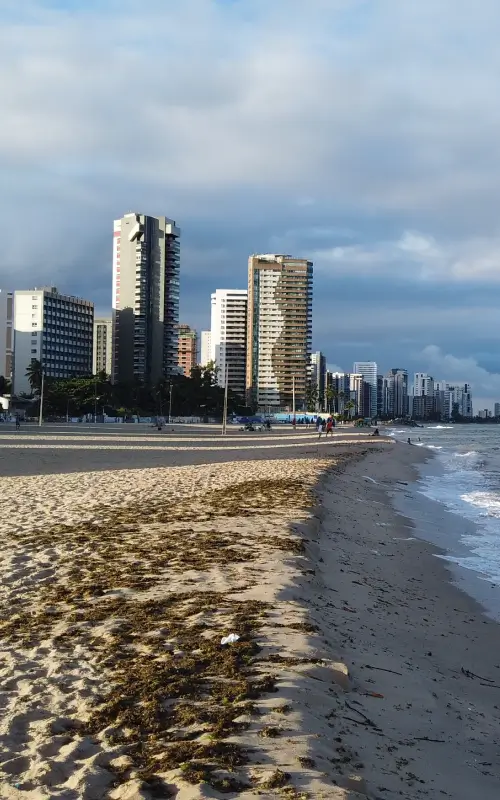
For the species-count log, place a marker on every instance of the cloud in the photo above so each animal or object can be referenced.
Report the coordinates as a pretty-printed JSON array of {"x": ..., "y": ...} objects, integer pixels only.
[
  {"x": 418, "y": 257},
  {"x": 323, "y": 129},
  {"x": 444, "y": 366}
]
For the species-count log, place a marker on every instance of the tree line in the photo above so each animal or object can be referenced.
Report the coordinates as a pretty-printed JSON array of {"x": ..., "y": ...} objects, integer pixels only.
[{"x": 198, "y": 395}]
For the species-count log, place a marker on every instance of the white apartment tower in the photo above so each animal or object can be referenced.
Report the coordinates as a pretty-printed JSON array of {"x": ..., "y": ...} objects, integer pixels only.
[
  {"x": 103, "y": 346},
  {"x": 279, "y": 329},
  {"x": 423, "y": 384},
  {"x": 205, "y": 347},
  {"x": 368, "y": 369},
  {"x": 146, "y": 268},
  {"x": 228, "y": 337},
  {"x": 52, "y": 328}
]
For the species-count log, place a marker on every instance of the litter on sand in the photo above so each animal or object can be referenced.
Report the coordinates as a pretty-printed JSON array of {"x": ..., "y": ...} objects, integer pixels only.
[{"x": 231, "y": 639}]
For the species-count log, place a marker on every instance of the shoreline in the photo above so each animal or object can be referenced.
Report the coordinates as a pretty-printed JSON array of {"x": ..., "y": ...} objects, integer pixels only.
[{"x": 390, "y": 610}]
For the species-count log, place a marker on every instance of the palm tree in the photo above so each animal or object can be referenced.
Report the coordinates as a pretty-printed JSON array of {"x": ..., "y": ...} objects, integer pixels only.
[
  {"x": 330, "y": 395},
  {"x": 342, "y": 397},
  {"x": 34, "y": 375},
  {"x": 311, "y": 397},
  {"x": 349, "y": 406}
]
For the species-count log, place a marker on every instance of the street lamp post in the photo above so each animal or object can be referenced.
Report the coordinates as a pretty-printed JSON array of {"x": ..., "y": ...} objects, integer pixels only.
[
  {"x": 293, "y": 402},
  {"x": 40, "y": 417},
  {"x": 170, "y": 406},
  {"x": 224, "y": 413}
]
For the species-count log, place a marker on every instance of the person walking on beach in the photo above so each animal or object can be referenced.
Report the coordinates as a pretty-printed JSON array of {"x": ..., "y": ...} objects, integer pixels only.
[
  {"x": 319, "y": 427},
  {"x": 329, "y": 426},
  {"x": 18, "y": 423}
]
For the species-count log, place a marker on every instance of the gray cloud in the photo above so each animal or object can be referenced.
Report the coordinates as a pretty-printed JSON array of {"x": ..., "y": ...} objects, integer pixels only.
[{"x": 362, "y": 135}]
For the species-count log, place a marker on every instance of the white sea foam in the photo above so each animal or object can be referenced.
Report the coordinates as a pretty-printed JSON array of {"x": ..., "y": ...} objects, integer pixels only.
[
  {"x": 439, "y": 427},
  {"x": 490, "y": 501}
]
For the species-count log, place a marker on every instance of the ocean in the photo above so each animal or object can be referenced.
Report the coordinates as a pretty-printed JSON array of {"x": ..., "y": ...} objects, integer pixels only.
[{"x": 464, "y": 480}]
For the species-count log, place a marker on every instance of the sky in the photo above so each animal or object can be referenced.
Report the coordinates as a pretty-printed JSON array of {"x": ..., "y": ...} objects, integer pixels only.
[{"x": 361, "y": 134}]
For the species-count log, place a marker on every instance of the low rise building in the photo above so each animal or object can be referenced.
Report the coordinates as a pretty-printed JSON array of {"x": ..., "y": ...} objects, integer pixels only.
[
  {"x": 54, "y": 329},
  {"x": 187, "y": 349}
]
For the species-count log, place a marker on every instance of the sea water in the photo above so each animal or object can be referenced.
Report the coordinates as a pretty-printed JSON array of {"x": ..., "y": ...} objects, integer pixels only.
[{"x": 464, "y": 478}]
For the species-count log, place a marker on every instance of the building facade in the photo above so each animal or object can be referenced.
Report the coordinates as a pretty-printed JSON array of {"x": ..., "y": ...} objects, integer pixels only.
[
  {"x": 423, "y": 384},
  {"x": 102, "y": 354},
  {"x": 338, "y": 391},
  {"x": 317, "y": 377},
  {"x": 6, "y": 333},
  {"x": 279, "y": 331},
  {"x": 496, "y": 411},
  {"x": 358, "y": 395},
  {"x": 396, "y": 393},
  {"x": 228, "y": 337},
  {"x": 54, "y": 329},
  {"x": 187, "y": 349},
  {"x": 205, "y": 348},
  {"x": 146, "y": 267},
  {"x": 369, "y": 371}
]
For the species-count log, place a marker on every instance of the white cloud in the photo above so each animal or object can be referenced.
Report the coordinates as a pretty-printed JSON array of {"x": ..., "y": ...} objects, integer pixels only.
[
  {"x": 417, "y": 256},
  {"x": 447, "y": 367}
]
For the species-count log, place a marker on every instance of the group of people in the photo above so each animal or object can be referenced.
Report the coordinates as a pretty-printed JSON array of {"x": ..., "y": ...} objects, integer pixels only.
[{"x": 325, "y": 426}]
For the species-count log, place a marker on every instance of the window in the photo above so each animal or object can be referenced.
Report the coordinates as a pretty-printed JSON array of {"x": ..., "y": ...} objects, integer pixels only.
[
  {"x": 33, "y": 324},
  {"x": 33, "y": 351}
]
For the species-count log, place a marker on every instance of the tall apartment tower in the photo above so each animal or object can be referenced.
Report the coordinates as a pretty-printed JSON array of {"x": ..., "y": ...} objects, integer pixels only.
[
  {"x": 228, "y": 337},
  {"x": 205, "y": 348},
  {"x": 146, "y": 268},
  {"x": 368, "y": 369},
  {"x": 6, "y": 333},
  {"x": 317, "y": 374},
  {"x": 279, "y": 330},
  {"x": 187, "y": 349},
  {"x": 396, "y": 393},
  {"x": 55, "y": 329},
  {"x": 103, "y": 346}
]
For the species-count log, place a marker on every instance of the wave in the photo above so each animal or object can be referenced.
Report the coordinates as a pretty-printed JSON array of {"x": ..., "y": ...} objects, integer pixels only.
[
  {"x": 490, "y": 501},
  {"x": 439, "y": 427}
]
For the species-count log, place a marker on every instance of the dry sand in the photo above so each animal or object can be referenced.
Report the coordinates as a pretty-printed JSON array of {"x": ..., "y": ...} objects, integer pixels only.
[{"x": 118, "y": 585}]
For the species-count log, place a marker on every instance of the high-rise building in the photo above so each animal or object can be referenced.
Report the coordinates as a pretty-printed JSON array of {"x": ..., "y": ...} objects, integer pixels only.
[
  {"x": 458, "y": 400},
  {"x": 497, "y": 410},
  {"x": 338, "y": 391},
  {"x": 146, "y": 269},
  {"x": 396, "y": 393},
  {"x": 317, "y": 377},
  {"x": 52, "y": 328},
  {"x": 228, "y": 338},
  {"x": 279, "y": 329},
  {"x": 423, "y": 384},
  {"x": 359, "y": 396},
  {"x": 102, "y": 355},
  {"x": 187, "y": 349},
  {"x": 6, "y": 333},
  {"x": 369, "y": 371},
  {"x": 205, "y": 347}
]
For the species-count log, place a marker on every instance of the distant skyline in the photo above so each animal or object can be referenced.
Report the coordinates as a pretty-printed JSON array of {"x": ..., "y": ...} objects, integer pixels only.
[{"x": 361, "y": 136}]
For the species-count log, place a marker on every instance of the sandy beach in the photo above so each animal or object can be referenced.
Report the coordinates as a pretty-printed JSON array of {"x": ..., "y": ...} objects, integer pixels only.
[{"x": 358, "y": 670}]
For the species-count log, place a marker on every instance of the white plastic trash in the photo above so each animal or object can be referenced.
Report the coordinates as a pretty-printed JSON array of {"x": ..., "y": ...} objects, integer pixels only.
[{"x": 231, "y": 639}]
